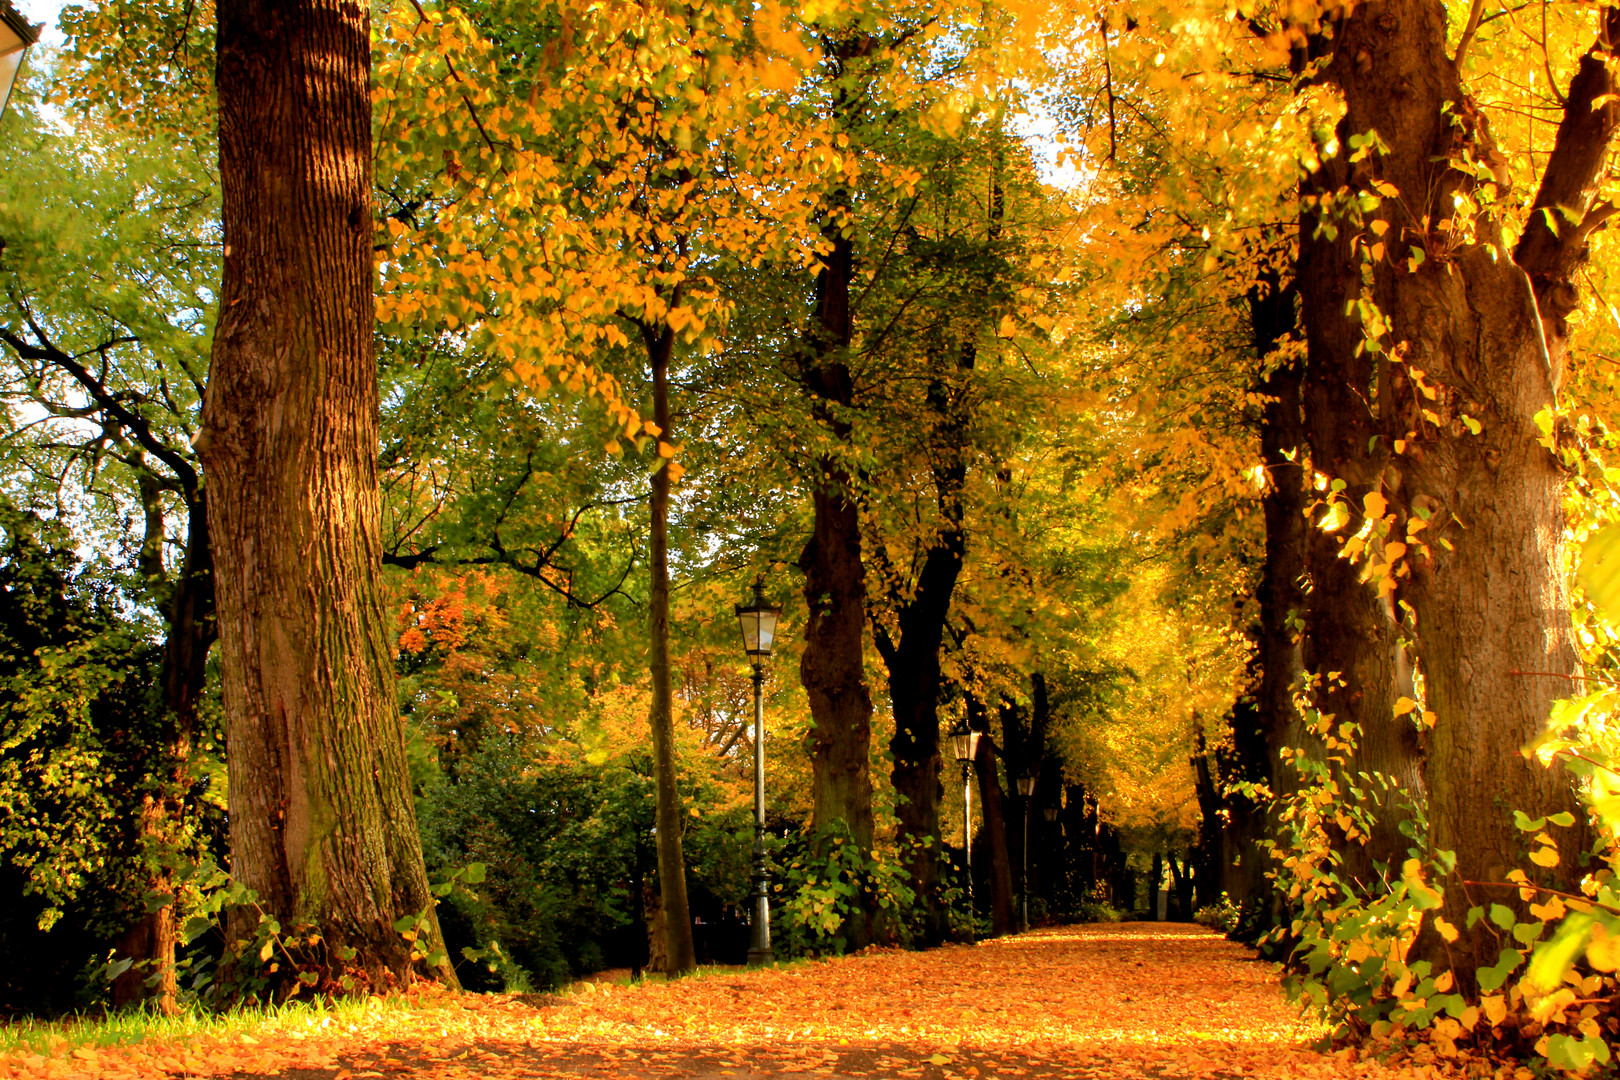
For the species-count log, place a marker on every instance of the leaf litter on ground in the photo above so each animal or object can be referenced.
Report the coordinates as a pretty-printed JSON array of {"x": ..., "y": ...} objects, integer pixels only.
[{"x": 1093, "y": 1002}]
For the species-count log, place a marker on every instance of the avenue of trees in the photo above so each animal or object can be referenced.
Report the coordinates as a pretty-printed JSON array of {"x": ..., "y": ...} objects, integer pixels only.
[{"x": 398, "y": 398}]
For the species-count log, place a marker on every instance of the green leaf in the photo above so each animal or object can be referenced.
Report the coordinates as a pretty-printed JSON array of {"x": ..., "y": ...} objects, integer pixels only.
[
  {"x": 1553, "y": 958},
  {"x": 1502, "y": 916},
  {"x": 1527, "y": 824}
]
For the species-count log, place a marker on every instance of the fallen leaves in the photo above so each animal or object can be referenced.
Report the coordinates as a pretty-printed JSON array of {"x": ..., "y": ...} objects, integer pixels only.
[{"x": 1093, "y": 1002}]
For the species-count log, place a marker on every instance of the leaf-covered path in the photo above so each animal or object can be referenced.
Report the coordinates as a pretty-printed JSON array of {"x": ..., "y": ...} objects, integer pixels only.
[{"x": 1132, "y": 1000}]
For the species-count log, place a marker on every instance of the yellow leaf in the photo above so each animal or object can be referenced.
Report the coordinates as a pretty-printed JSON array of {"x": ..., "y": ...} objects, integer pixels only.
[
  {"x": 1444, "y": 983},
  {"x": 1545, "y": 856},
  {"x": 1375, "y": 504},
  {"x": 1551, "y": 910},
  {"x": 1447, "y": 931},
  {"x": 1404, "y": 705},
  {"x": 1601, "y": 951},
  {"x": 1495, "y": 1007},
  {"x": 1008, "y": 327}
]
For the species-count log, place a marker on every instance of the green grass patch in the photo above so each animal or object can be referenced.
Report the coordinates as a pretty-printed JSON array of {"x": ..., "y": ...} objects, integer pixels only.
[{"x": 28, "y": 1035}]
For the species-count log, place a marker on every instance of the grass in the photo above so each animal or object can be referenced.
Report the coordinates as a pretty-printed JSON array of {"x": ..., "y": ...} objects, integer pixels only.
[{"x": 29, "y": 1035}]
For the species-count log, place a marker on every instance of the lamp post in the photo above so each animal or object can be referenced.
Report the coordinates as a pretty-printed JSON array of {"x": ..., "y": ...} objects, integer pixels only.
[
  {"x": 965, "y": 741},
  {"x": 758, "y": 621},
  {"x": 15, "y": 37},
  {"x": 1026, "y": 788}
]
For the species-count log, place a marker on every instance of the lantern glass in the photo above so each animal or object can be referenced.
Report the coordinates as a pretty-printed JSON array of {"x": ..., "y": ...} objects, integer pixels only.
[
  {"x": 965, "y": 743},
  {"x": 1026, "y": 786},
  {"x": 758, "y": 621},
  {"x": 1051, "y": 813}
]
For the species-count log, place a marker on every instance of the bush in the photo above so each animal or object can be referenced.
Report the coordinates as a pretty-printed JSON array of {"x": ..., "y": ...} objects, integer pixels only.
[
  {"x": 1223, "y": 915},
  {"x": 568, "y": 848},
  {"x": 1097, "y": 911}
]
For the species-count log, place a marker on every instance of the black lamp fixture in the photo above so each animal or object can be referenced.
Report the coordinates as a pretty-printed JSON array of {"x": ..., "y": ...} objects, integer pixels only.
[
  {"x": 758, "y": 621},
  {"x": 15, "y": 38}
]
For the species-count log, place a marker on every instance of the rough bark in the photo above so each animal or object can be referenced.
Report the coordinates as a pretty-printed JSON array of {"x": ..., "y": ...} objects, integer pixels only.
[
  {"x": 832, "y": 667},
  {"x": 1351, "y": 631},
  {"x": 323, "y": 828},
  {"x": 1489, "y": 335},
  {"x": 1282, "y": 584},
  {"x": 681, "y": 947},
  {"x": 992, "y": 835},
  {"x": 913, "y": 662}
]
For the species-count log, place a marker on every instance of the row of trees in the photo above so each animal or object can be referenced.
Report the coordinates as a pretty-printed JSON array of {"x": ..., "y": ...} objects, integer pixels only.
[
  {"x": 653, "y": 246},
  {"x": 1236, "y": 474}
]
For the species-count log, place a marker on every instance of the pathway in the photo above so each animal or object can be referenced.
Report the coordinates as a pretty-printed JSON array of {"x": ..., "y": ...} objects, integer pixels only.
[{"x": 1101, "y": 1001}]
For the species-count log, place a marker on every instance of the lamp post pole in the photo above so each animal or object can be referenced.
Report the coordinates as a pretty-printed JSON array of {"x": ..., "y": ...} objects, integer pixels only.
[
  {"x": 1024, "y": 890},
  {"x": 758, "y": 621},
  {"x": 965, "y": 742},
  {"x": 967, "y": 844},
  {"x": 1026, "y": 789},
  {"x": 759, "y": 934}
]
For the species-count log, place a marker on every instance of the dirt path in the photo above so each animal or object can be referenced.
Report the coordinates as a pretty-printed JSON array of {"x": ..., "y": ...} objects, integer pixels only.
[{"x": 1131, "y": 1000}]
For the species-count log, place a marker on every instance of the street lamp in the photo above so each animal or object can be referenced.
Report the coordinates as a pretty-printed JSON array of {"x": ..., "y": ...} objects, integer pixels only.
[
  {"x": 965, "y": 741},
  {"x": 1026, "y": 788},
  {"x": 15, "y": 37},
  {"x": 759, "y": 633}
]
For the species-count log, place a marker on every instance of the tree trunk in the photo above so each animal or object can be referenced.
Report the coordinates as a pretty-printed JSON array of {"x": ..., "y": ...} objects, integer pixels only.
[
  {"x": 1207, "y": 853},
  {"x": 1352, "y": 631},
  {"x": 833, "y": 666},
  {"x": 993, "y": 831},
  {"x": 681, "y": 950},
  {"x": 1484, "y": 575},
  {"x": 1016, "y": 747},
  {"x": 323, "y": 828}
]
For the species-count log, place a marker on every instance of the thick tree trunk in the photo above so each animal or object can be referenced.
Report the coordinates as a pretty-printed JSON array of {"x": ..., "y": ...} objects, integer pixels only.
[
  {"x": 681, "y": 947},
  {"x": 1261, "y": 729},
  {"x": 322, "y": 824},
  {"x": 833, "y": 666},
  {"x": 1282, "y": 584},
  {"x": 913, "y": 661},
  {"x": 1352, "y": 632},
  {"x": 992, "y": 835},
  {"x": 1484, "y": 576}
]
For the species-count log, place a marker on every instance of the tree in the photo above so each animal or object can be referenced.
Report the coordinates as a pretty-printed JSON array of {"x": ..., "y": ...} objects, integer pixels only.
[
  {"x": 322, "y": 824},
  {"x": 1460, "y": 349},
  {"x": 110, "y": 263}
]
